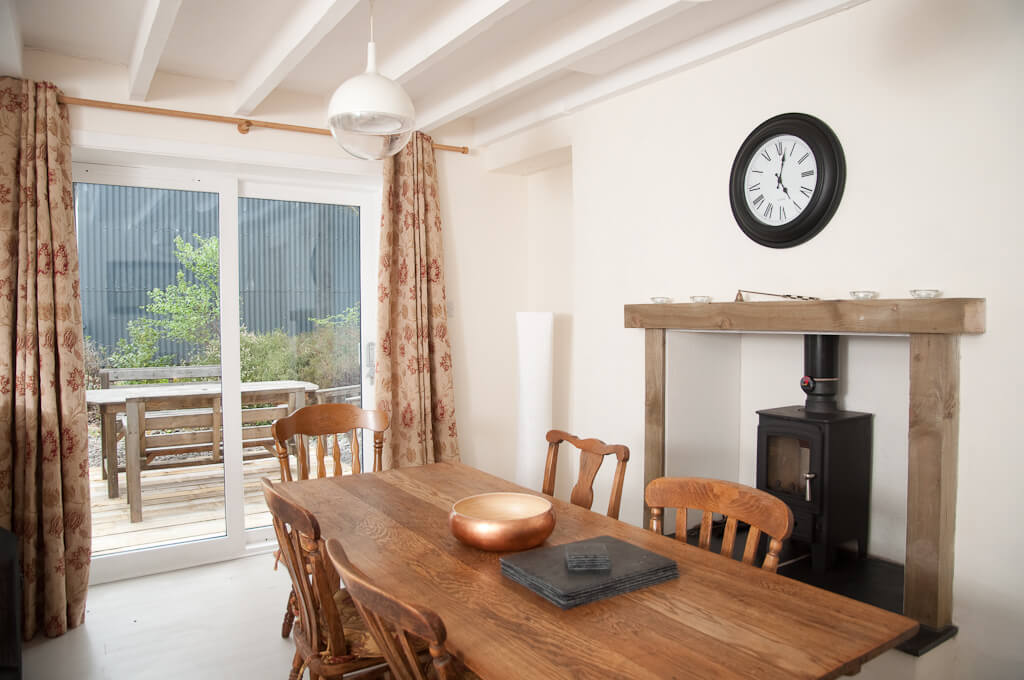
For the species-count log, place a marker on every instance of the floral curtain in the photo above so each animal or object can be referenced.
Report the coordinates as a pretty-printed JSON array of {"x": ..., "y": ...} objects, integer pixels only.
[
  {"x": 414, "y": 382},
  {"x": 44, "y": 465}
]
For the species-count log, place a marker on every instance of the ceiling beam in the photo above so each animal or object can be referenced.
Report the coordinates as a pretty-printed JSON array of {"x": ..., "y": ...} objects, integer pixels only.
[
  {"x": 157, "y": 21},
  {"x": 734, "y": 36},
  {"x": 444, "y": 35},
  {"x": 583, "y": 35},
  {"x": 10, "y": 40},
  {"x": 308, "y": 25}
]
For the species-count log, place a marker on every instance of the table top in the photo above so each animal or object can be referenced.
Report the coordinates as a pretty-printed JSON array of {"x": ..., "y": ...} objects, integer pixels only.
[
  {"x": 119, "y": 394},
  {"x": 720, "y": 619}
]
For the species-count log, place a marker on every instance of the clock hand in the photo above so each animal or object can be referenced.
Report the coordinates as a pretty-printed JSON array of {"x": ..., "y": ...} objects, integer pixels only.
[
  {"x": 786, "y": 191},
  {"x": 778, "y": 176}
]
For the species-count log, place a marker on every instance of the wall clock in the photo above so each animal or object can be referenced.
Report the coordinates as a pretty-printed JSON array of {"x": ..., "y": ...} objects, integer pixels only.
[{"x": 787, "y": 180}]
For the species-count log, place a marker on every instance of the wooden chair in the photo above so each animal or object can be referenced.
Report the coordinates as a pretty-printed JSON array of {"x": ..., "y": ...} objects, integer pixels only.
[
  {"x": 322, "y": 421},
  {"x": 762, "y": 511},
  {"x": 592, "y": 454},
  {"x": 401, "y": 630},
  {"x": 331, "y": 638}
]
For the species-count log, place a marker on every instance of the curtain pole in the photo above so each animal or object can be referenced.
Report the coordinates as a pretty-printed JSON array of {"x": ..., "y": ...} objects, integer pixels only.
[{"x": 242, "y": 124}]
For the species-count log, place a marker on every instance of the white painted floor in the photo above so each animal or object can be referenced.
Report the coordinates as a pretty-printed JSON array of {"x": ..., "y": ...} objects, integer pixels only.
[{"x": 217, "y": 621}]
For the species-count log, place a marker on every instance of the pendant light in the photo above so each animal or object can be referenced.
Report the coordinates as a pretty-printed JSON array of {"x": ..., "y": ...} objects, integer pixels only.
[{"x": 371, "y": 116}]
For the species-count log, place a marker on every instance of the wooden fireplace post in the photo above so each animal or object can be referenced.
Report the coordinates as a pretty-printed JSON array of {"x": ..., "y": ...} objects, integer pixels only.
[
  {"x": 931, "y": 478},
  {"x": 654, "y": 410}
]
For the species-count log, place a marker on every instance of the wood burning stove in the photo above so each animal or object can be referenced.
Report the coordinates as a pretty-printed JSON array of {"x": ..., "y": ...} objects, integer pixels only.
[{"x": 817, "y": 458}]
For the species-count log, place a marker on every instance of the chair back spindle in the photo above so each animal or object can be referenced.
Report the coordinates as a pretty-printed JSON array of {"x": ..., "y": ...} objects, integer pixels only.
[
  {"x": 763, "y": 512},
  {"x": 327, "y": 424}
]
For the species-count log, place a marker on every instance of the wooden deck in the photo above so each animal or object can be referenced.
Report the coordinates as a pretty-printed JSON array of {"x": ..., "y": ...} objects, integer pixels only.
[
  {"x": 179, "y": 504},
  {"x": 182, "y": 504}
]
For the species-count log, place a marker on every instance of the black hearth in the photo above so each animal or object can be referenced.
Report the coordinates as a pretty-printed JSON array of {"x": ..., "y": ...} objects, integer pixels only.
[{"x": 817, "y": 458}]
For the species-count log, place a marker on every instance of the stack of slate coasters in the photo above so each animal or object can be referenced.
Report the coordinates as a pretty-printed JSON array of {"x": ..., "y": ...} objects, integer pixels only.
[{"x": 546, "y": 571}]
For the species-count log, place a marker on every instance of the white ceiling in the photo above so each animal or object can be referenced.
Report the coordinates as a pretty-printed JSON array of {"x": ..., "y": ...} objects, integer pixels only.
[{"x": 506, "y": 64}]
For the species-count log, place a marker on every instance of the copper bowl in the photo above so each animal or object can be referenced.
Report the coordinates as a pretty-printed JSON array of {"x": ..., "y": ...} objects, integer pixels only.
[{"x": 502, "y": 521}]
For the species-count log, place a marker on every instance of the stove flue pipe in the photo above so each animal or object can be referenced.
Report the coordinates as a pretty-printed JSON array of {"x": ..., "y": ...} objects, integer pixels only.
[{"x": 821, "y": 373}]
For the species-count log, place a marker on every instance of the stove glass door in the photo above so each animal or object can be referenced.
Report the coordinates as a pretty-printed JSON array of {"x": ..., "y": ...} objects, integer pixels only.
[{"x": 789, "y": 461}]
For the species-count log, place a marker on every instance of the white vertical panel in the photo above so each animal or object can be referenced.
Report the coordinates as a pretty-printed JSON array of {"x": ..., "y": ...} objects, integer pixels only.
[
  {"x": 535, "y": 354},
  {"x": 230, "y": 360}
]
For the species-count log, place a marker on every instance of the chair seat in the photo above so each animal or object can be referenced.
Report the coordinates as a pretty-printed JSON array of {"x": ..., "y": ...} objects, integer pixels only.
[{"x": 360, "y": 643}]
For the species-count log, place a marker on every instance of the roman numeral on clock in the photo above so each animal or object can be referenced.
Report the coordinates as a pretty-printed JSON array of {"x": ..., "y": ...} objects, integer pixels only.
[
  {"x": 754, "y": 187},
  {"x": 768, "y": 210},
  {"x": 807, "y": 173},
  {"x": 803, "y": 158},
  {"x": 778, "y": 149},
  {"x": 782, "y": 212},
  {"x": 764, "y": 152},
  {"x": 806, "y": 191},
  {"x": 758, "y": 201}
]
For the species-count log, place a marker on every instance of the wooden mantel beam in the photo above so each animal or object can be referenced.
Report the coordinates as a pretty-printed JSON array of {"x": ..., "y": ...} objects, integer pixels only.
[{"x": 939, "y": 315}]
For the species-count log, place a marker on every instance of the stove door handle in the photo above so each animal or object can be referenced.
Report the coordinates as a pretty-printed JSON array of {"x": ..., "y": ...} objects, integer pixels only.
[{"x": 808, "y": 476}]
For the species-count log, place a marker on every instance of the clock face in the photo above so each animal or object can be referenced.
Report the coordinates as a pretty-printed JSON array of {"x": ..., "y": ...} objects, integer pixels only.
[
  {"x": 780, "y": 180},
  {"x": 787, "y": 180}
]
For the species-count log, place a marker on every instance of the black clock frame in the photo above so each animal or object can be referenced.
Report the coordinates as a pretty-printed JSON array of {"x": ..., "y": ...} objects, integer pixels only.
[{"x": 828, "y": 153}]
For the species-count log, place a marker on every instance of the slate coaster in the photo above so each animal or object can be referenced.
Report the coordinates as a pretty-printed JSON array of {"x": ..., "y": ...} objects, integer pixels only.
[
  {"x": 587, "y": 556},
  {"x": 544, "y": 571}
]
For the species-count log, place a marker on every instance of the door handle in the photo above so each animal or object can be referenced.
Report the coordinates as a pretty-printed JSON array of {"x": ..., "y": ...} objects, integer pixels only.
[{"x": 808, "y": 476}]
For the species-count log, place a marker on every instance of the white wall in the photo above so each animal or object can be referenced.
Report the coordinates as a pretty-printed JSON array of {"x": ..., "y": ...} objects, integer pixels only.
[
  {"x": 924, "y": 95},
  {"x": 550, "y": 277},
  {"x": 485, "y": 271}
]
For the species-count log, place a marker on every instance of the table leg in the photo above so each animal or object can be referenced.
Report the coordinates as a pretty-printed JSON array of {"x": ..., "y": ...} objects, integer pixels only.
[
  {"x": 108, "y": 437},
  {"x": 216, "y": 428},
  {"x": 133, "y": 458},
  {"x": 296, "y": 400}
]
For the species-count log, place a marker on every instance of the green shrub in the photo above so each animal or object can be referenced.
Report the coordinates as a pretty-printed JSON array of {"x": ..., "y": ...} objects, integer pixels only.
[
  {"x": 139, "y": 349},
  {"x": 328, "y": 355},
  {"x": 93, "y": 363},
  {"x": 267, "y": 356}
]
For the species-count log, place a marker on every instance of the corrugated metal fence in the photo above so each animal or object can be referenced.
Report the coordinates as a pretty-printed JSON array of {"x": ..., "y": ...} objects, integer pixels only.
[{"x": 297, "y": 260}]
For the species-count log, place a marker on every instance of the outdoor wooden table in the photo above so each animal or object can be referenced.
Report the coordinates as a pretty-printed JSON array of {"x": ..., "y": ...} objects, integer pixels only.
[
  {"x": 112, "y": 401},
  {"x": 719, "y": 619}
]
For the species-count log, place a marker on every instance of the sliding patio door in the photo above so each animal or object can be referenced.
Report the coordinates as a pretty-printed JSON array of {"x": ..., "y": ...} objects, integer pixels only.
[
  {"x": 301, "y": 259},
  {"x": 212, "y": 304},
  {"x": 159, "y": 304}
]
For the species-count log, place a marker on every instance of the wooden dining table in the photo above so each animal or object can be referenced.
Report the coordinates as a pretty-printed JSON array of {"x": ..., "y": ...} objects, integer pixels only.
[{"x": 719, "y": 619}]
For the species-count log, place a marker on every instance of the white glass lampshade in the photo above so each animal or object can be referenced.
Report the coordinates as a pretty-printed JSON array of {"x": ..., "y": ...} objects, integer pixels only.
[{"x": 371, "y": 116}]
